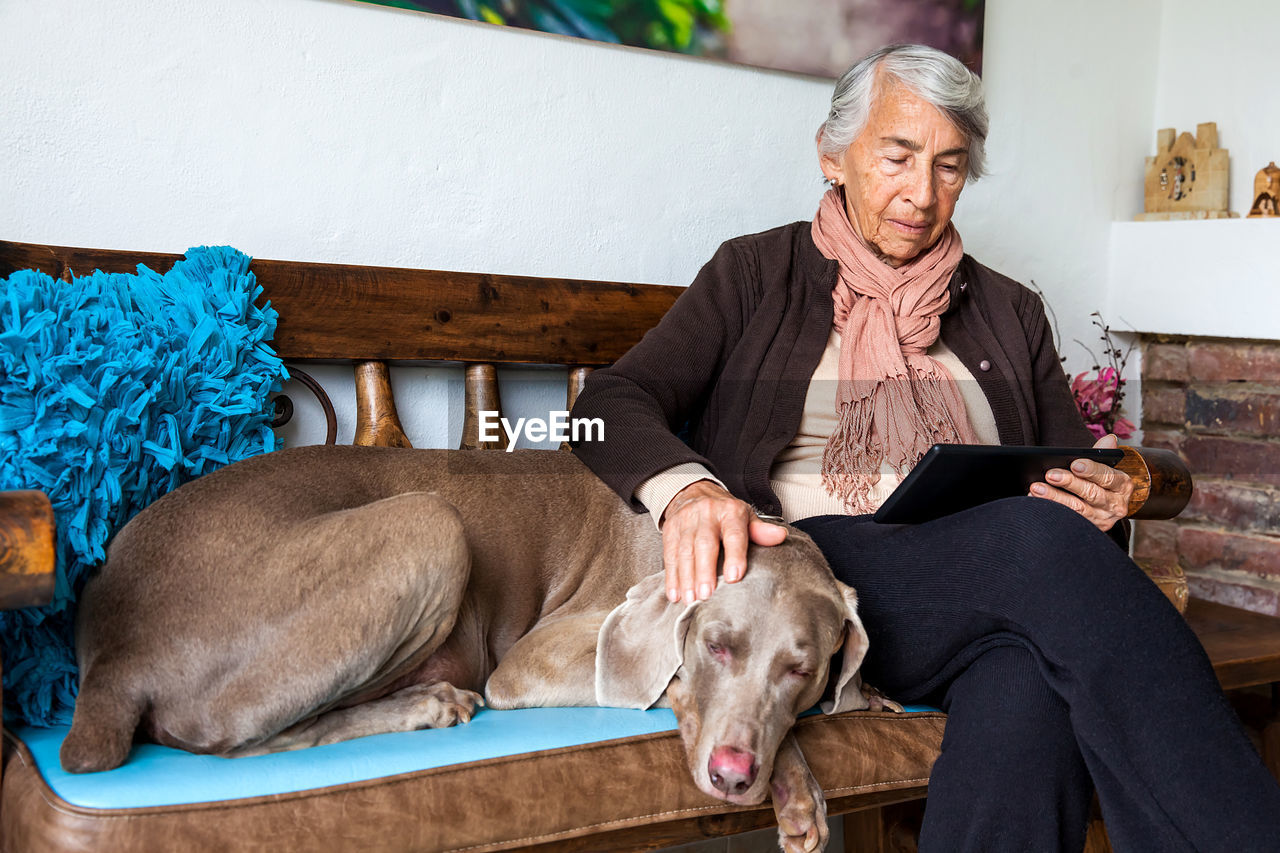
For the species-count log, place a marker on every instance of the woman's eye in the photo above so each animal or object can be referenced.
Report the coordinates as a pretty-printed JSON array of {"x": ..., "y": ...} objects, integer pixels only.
[{"x": 897, "y": 161}]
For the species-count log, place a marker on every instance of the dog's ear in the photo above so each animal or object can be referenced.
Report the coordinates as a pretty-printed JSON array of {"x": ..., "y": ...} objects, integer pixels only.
[
  {"x": 641, "y": 645},
  {"x": 848, "y": 693}
]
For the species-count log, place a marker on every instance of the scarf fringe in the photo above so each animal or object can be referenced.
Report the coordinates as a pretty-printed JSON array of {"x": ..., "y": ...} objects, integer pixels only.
[{"x": 852, "y": 460}]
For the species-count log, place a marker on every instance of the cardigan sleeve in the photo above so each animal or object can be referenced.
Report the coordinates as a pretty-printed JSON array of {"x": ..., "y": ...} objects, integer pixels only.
[
  {"x": 652, "y": 392},
  {"x": 1061, "y": 424}
]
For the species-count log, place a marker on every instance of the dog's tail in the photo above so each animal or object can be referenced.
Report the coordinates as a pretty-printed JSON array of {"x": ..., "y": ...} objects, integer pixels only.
[{"x": 102, "y": 727}]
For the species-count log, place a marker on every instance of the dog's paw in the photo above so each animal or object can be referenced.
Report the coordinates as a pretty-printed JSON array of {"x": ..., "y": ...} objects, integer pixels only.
[
  {"x": 801, "y": 811},
  {"x": 877, "y": 701},
  {"x": 440, "y": 705}
]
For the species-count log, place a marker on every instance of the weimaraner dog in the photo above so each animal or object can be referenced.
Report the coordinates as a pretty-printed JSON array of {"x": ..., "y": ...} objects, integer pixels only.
[{"x": 320, "y": 594}]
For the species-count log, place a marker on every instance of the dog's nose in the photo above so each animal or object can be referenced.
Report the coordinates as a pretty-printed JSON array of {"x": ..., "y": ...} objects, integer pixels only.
[{"x": 732, "y": 770}]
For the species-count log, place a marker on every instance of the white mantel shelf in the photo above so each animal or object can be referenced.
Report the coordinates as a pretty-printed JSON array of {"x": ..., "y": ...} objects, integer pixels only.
[{"x": 1212, "y": 278}]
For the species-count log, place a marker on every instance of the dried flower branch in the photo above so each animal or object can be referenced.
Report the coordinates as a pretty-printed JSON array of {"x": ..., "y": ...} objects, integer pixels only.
[{"x": 1099, "y": 397}]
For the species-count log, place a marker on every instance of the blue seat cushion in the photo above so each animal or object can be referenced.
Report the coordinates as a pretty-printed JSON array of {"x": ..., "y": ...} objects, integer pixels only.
[{"x": 162, "y": 776}]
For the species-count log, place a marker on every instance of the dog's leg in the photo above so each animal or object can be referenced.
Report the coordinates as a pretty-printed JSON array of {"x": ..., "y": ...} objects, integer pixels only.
[
  {"x": 798, "y": 802},
  {"x": 350, "y": 605},
  {"x": 877, "y": 701},
  {"x": 419, "y": 706},
  {"x": 102, "y": 731},
  {"x": 554, "y": 665}
]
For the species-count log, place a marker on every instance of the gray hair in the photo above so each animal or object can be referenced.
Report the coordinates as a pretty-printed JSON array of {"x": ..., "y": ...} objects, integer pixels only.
[{"x": 937, "y": 77}]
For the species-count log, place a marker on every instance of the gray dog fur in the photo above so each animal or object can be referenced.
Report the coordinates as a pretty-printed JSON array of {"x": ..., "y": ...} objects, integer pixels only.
[{"x": 325, "y": 593}]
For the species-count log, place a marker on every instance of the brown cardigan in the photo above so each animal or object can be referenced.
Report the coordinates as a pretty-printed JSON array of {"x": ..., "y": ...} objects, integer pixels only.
[{"x": 733, "y": 358}]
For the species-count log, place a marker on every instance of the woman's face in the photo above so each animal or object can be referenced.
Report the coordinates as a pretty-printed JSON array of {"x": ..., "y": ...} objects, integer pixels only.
[{"x": 902, "y": 175}]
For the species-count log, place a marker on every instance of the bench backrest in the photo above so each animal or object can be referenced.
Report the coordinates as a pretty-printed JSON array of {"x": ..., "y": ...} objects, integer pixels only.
[{"x": 375, "y": 316}]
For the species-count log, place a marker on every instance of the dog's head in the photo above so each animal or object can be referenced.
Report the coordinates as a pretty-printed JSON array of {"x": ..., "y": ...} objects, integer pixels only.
[{"x": 739, "y": 666}]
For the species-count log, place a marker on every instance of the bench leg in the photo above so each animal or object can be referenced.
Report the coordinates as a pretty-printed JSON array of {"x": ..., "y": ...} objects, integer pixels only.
[{"x": 887, "y": 829}]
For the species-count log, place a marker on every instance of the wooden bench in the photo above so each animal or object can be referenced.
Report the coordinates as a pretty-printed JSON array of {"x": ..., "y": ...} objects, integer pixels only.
[{"x": 374, "y": 317}]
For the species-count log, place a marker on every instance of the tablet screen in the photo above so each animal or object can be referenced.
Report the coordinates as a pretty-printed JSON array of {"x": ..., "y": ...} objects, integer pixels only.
[{"x": 952, "y": 477}]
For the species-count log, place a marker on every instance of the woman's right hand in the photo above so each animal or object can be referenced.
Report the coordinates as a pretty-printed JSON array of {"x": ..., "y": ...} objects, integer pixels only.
[{"x": 699, "y": 520}]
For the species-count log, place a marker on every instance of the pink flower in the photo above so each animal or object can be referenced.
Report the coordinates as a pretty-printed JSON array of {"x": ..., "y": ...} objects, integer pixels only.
[{"x": 1098, "y": 397}]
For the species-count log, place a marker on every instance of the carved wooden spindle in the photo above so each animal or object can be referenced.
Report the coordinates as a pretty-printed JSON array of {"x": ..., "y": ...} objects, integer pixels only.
[
  {"x": 480, "y": 394},
  {"x": 377, "y": 423},
  {"x": 577, "y": 379}
]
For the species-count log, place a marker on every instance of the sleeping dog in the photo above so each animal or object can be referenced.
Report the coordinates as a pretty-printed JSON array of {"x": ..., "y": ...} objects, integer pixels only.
[{"x": 319, "y": 594}]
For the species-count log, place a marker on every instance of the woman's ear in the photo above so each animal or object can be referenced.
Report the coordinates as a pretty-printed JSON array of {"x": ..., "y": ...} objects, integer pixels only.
[{"x": 832, "y": 167}]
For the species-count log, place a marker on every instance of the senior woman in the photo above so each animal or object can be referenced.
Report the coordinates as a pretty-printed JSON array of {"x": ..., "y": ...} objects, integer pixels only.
[{"x": 813, "y": 365}]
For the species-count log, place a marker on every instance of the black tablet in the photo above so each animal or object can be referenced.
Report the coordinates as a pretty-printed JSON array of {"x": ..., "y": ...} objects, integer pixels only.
[{"x": 952, "y": 477}]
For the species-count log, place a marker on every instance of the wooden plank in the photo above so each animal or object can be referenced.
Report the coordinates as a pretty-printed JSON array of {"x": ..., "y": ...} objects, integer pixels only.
[
  {"x": 345, "y": 312},
  {"x": 398, "y": 314},
  {"x": 27, "y": 555},
  {"x": 1244, "y": 646},
  {"x": 687, "y": 830},
  {"x": 56, "y": 260}
]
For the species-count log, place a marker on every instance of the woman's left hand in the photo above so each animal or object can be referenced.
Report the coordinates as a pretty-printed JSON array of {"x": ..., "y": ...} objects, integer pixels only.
[{"x": 1098, "y": 492}]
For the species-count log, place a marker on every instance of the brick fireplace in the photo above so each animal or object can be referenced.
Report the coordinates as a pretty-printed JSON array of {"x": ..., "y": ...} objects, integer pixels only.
[{"x": 1217, "y": 403}]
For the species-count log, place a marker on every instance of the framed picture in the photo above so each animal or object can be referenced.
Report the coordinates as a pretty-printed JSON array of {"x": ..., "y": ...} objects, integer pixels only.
[{"x": 814, "y": 37}]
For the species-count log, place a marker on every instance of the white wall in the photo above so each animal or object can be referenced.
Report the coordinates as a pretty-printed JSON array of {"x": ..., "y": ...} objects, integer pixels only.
[
  {"x": 336, "y": 131},
  {"x": 1215, "y": 278},
  {"x": 1077, "y": 92},
  {"x": 341, "y": 131},
  {"x": 1070, "y": 89},
  {"x": 1217, "y": 63}
]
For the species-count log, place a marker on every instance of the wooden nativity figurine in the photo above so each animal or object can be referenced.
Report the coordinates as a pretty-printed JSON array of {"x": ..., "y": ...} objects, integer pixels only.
[
  {"x": 1266, "y": 192},
  {"x": 1188, "y": 176}
]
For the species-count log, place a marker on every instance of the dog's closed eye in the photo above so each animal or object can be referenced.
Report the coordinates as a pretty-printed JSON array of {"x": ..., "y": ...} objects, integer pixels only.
[{"x": 799, "y": 667}]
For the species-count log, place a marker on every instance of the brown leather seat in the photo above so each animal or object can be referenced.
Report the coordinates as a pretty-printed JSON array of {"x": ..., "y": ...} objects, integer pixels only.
[{"x": 594, "y": 796}]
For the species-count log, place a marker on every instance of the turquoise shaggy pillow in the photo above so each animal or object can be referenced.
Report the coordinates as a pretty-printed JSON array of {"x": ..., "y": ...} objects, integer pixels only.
[{"x": 115, "y": 389}]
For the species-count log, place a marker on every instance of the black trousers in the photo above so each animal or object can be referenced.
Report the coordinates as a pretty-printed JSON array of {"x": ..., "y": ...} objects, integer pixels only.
[{"x": 1062, "y": 668}]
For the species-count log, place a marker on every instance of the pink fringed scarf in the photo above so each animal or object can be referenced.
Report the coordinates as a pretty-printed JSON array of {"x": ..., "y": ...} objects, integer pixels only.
[{"x": 893, "y": 401}]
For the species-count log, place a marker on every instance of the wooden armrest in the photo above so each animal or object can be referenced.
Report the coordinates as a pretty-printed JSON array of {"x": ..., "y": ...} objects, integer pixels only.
[
  {"x": 1161, "y": 482},
  {"x": 26, "y": 549}
]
